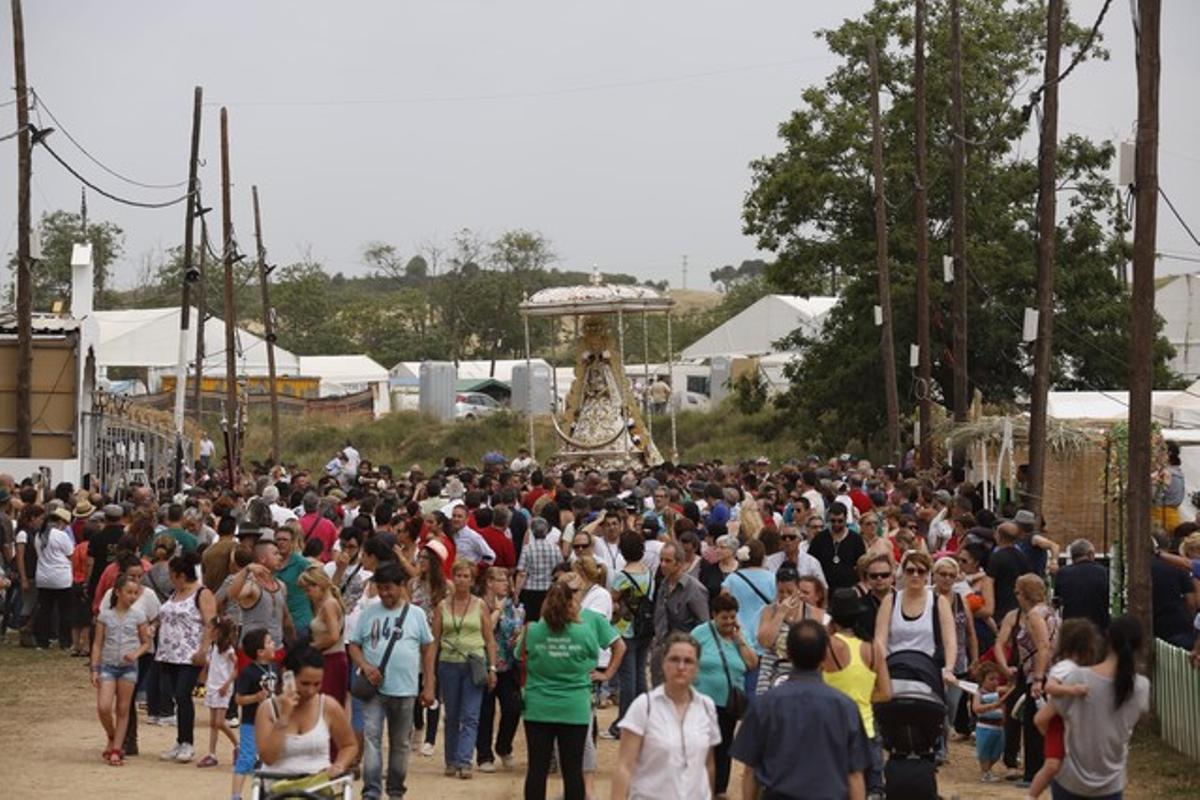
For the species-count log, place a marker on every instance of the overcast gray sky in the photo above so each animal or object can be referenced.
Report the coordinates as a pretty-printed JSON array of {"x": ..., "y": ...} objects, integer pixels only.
[{"x": 620, "y": 130}]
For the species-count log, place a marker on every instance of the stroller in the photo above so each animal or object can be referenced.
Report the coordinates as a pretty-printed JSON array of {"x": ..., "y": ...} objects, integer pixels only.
[{"x": 911, "y": 724}]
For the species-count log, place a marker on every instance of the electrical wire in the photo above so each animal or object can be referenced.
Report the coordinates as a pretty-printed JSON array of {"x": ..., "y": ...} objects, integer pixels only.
[
  {"x": 1035, "y": 97},
  {"x": 62, "y": 129},
  {"x": 1179, "y": 217},
  {"x": 102, "y": 192}
]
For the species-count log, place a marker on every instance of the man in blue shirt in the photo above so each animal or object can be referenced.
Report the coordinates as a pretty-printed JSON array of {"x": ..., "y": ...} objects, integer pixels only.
[
  {"x": 803, "y": 712},
  {"x": 412, "y": 653}
]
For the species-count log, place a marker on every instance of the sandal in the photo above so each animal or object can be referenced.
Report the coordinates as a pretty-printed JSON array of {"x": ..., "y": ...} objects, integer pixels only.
[
  {"x": 105, "y": 753},
  {"x": 116, "y": 758}
]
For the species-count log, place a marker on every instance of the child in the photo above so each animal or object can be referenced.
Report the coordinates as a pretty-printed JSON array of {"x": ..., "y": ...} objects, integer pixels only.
[
  {"x": 222, "y": 661},
  {"x": 122, "y": 635},
  {"x": 988, "y": 707},
  {"x": 255, "y": 683},
  {"x": 1078, "y": 643}
]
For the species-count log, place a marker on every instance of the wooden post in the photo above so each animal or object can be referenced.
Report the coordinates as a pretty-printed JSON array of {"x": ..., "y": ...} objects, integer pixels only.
[
  {"x": 201, "y": 320},
  {"x": 1141, "y": 339},
  {"x": 1047, "y": 205},
  {"x": 231, "y": 387},
  {"x": 189, "y": 277},
  {"x": 958, "y": 216},
  {"x": 886, "y": 346},
  {"x": 24, "y": 225},
  {"x": 268, "y": 328},
  {"x": 924, "y": 356}
]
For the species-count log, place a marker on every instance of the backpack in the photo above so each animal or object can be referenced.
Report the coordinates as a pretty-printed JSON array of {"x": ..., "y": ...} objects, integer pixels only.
[{"x": 640, "y": 608}]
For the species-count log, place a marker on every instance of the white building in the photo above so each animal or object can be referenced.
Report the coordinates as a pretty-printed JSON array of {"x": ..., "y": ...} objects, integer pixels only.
[{"x": 350, "y": 374}]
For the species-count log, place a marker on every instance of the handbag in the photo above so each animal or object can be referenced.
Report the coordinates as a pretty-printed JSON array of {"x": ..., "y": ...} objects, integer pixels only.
[
  {"x": 737, "y": 703},
  {"x": 476, "y": 664},
  {"x": 361, "y": 687}
]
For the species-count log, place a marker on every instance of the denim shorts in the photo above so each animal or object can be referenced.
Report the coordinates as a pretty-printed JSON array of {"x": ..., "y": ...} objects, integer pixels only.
[
  {"x": 989, "y": 742},
  {"x": 119, "y": 672},
  {"x": 247, "y": 754}
]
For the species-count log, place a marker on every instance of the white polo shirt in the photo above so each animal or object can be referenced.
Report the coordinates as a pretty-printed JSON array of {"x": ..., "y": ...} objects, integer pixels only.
[{"x": 671, "y": 764}]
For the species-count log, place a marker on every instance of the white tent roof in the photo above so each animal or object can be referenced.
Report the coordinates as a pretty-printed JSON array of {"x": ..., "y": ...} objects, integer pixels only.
[
  {"x": 1108, "y": 405},
  {"x": 756, "y": 330},
  {"x": 343, "y": 369},
  {"x": 149, "y": 337},
  {"x": 1178, "y": 301},
  {"x": 408, "y": 373}
]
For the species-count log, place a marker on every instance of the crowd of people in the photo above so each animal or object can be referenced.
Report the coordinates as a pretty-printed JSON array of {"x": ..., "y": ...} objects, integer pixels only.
[{"x": 741, "y": 612}]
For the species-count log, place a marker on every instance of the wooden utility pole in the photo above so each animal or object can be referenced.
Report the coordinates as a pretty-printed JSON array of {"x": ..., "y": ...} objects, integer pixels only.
[
  {"x": 886, "y": 347},
  {"x": 268, "y": 328},
  {"x": 233, "y": 418},
  {"x": 958, "y": 218},
  {"x": 1141, "y": 338},
  {"x": 24, "y": 226},
  {"x": 189, "y": 277},
  {"x": 1046, "y": 207},
  {"x": 201, "y": 320},
  {"x": 924, "y": 357}
]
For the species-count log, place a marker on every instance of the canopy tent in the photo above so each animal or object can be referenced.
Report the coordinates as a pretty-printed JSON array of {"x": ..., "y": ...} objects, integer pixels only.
[
  {"x": 1111, "y": 405},
  {"x": 349, "y": 374},
  {"x": 1177, "y": 300},
  {"x": 757, "y": 330},
  {"x": 148, "y": 338}
]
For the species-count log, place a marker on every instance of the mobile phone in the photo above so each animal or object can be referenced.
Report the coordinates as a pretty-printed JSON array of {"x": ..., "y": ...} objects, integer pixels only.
[{"x": 289, "y": 681}]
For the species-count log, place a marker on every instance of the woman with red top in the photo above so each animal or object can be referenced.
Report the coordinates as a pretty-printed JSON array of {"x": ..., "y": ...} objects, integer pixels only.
[{"x": 81, "y": 609}]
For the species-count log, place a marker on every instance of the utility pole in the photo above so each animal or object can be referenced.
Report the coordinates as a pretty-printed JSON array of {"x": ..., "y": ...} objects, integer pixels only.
[
  {"x": 886, "y": 346},
  {"x": 190, "y": 276},
  {"x": 684, "y": 272},
  {"x": 1141, "y": 339},
  {"x": 268, "y": 328},
  {"x": 233, "y": 439},
  {"x": 1047, "y": 206},
  {"x": 924, "y": 359},
  {"x": 958, "y": 217},
  {"x": 201, "y": 320},
  {"x": 24, "y": 224}
]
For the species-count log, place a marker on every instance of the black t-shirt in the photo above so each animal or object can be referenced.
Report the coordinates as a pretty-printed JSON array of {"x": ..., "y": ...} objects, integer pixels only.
[
  {"x": 251, "y": 680},
  {"x": 1083, "y": 590},
  {"x": 838, "y": 560},
  {"x": 103, "y": 548},
  {"x": 1005, "y": 565},
  {"x": 1168, "y": 586}
]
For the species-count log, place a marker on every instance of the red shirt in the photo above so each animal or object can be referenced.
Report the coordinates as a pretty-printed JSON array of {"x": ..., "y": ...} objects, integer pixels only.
[
  {"x": 79, "y": 557},
  {"x": 108, "y": 579},
  {"x": 506, "y": 554},
  {"x": 860, "y": 500},
  {"x": 532, "y": 496},
  {"x": 314, "y": 525}
]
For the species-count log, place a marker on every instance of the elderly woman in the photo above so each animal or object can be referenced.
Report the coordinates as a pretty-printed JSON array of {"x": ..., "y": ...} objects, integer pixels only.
[
  {"x": 1034, "y": 626},
  {"x": 669, "y": 732},
  {"x": 945, "y": 576}
]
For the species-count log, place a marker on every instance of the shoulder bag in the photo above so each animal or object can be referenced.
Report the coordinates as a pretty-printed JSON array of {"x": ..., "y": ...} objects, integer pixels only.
[
  {"x": 737, "y": 703},
  {"x": 362, "y": 688}
]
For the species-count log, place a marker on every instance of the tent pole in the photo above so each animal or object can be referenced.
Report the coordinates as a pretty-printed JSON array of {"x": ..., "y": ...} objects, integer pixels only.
[
  {"x": 621, "y": 360},
  {"x": 646, "y": 376},
  {"x": 671, "y": 404},
  {"x": 529, "y": 391}
]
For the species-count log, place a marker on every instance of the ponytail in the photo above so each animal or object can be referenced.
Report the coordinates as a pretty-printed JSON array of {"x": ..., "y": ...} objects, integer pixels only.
[{"x": 1124, "y": 640}]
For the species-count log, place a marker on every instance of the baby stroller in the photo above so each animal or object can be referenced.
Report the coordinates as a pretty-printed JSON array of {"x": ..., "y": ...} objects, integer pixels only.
[
  {"x": 910, "y": 725},
  {"x": 274, "y": 785}
]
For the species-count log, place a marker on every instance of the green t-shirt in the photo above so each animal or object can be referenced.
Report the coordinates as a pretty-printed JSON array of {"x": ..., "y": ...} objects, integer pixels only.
[
  {"x": 186, "y": 541},
  {"x": 558, "y": 665},
  {"x": 299, "y": 606}
]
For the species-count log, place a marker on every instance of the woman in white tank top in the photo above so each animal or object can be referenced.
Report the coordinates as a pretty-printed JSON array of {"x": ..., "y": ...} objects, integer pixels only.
[
  {"x": 907, "y": 618},
  {"x": 295, "y": 730}
]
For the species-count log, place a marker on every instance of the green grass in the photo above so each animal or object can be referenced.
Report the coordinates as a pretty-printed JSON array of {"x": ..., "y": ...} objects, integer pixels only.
[{"x": 404, "y": 438}]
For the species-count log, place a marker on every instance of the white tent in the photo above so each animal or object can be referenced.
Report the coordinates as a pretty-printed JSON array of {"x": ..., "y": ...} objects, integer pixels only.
[
  {"x": 342, "y": 375},
  {"x": 757, "y": 329},
  {"x": 1105, "y": 406},
  {"x": 408, "y": 373},
  {"x": 1180, "y": 409},
  {"x": 148, "y": 338},
  {"x": 1178, "y": 301}
]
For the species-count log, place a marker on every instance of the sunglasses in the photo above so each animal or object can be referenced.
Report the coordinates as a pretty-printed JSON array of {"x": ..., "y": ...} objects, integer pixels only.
[
  {"x": 878, "y": 576},
  {"x": 789, "y": 537},
  {"x": 915, "y": 571},
  {"x": 579, "y": 547}
]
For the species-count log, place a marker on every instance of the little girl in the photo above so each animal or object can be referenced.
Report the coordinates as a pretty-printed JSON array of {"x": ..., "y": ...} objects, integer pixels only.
[
  {"x": 1078, "y": 643},
  {"x": 988, "y": 707},
  {"x": 218, "y": 688},
  {"x": 122, "y": 635}
]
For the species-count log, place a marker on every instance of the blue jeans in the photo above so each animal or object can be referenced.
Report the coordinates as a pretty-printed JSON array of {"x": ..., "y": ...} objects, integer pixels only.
[
  {"x": 462, "y": 700},
  {"x": 398, "y": 711},
  {"x": 631, "y": 674}
]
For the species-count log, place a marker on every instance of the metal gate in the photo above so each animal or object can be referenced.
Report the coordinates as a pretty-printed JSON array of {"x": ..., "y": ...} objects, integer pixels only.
[{"x": 125, "y": 446}]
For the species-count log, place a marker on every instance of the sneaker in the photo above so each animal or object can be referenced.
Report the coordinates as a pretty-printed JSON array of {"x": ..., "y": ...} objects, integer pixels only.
[
  {"x": 608, "y": 733},
  {"x": 465, "y": 773},
  {"x": 450, "y": 770},
  {"x": 234, "y": 722},
  {"x": 508, "y": 761},
  {"x": 208, "y": 761},
  {"x": 427, "y": 750},
  {"x": 988, "y": 777},
  {"x": 186, "y": 753},
  {"x": 166, "y": 722},
  {"x": 487, "y": 766},
  {"x": 171, "y": 754}
]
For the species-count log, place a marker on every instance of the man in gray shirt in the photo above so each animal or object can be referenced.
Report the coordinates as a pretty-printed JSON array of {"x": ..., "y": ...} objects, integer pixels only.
[{"x": 680, "y": 603}]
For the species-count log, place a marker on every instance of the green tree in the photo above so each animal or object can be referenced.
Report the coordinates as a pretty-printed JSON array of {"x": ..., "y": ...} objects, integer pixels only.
[
  {"x": 58, "y": 232},
  {"x": 811, "y": 205},
  {"x": 306, "y": 315},
  {"x": 521, "y": 251}
]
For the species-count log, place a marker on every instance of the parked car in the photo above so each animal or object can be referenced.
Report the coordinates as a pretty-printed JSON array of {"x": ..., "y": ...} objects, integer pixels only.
[{"x": 469, "y": 405}]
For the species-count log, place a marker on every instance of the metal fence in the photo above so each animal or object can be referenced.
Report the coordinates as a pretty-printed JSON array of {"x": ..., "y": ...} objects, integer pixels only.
[
  {"x": 1176, "y": 686},
  {"x": 120, "y": 450}
]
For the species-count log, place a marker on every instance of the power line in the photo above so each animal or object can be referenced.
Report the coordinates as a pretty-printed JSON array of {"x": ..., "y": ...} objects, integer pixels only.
[
  {"x": 1179, "y": 217},
  {"x": 42, "y": 103},
  {"x": 1036, "y": 96},
  {"x": 102, "y": 192}
]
